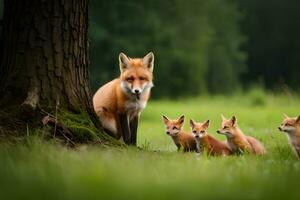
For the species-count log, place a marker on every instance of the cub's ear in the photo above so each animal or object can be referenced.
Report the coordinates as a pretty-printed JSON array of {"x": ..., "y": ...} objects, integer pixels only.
[
  {"x": 148, "y": 61},
  {"x": 223, "y": 118},
  {"x": 181, "y": 119},
  {"x": 285, "y": 116},
  {"x": 192, "y": 123},
  {"x": 233, "y": 120},
  {"x": 123, "y": 62},
  {"x": 298, "y": 119},
  {"x": 206, "y": 123},
  {"x": 165, "y": 119}
]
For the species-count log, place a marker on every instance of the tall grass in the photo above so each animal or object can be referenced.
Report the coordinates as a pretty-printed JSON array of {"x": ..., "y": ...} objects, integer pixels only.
[{"x": 38, "y": 169}]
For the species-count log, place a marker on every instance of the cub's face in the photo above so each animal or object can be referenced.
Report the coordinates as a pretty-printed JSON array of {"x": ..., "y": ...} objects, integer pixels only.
[
  {"x": 228, "y": 126},
  {"x": 289, "y": 125},
  {"x": 173, "y": 127},
  {"x": 199, "y": 130}
]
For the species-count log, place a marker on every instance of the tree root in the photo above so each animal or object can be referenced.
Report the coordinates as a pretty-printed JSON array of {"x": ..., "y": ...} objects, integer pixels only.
[{"x": 61, "y": 129}]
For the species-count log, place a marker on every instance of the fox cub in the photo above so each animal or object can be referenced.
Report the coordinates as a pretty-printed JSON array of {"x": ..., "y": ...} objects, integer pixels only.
[
  {"x": 205, "y": 141},
  {"x": 237, "y": 141},
  {"x": 174, "y": 128},
  {"x": 119, "y": 102},
  {"x": 291, "y": 126}
]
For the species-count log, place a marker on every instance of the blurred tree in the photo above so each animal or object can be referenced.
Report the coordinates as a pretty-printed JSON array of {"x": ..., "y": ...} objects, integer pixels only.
[
  {"x": 45, "y": 61},
  {"x": 273, "y": 30},
  {"x": 196, "y": 43},
  {"x": 1, "y": 24},
  {"x": 226, "y": 60}
]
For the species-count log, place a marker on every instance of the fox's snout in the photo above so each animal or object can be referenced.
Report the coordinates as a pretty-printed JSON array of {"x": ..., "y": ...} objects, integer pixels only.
[
  {"x": 218, "y": 131},
  {"x": 168, "y": 133},
  {"x": 136, "y": 91},
  {"x": 280, "y": 128}
]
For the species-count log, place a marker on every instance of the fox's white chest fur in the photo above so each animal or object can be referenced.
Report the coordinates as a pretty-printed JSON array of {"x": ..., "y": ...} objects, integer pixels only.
[
  {"x": 134, "y": 107},
  {"x": 294, "y": 141},
  {"x": 231, "y": 144}
]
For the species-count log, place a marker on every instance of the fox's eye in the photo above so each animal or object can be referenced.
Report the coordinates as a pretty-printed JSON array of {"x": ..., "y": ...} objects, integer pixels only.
[
  {"x": 225, "y": 127},
  {"x": 175, "y": 128},
  {"x": 142, "y": 78},
  {"x": 129, "y": 79},
  {"x": 202, "y": 131},
  {"x": 288, "y": 124},
  {"x": 194, "y": 131}
]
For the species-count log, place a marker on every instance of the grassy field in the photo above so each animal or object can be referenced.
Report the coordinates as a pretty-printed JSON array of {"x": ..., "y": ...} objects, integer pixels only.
[{"x": 43, "y": 170}]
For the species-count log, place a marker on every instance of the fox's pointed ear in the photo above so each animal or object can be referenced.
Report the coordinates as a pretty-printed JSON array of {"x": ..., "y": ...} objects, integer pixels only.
[
  {"x": 192, "y": 123},
  {"x": 298, "y": 119},
  {"x": 223, "y": 118},
  {"x": 285, "y": 116},
  {"x": 165, "y": 119},
  {"x": 123, "y": 62},
  {"x": 206, "y": 123},
  {"x": 233, "y": 120},
  {"x": 148, "y": 61},
  {"x": 181, "y": 119}
]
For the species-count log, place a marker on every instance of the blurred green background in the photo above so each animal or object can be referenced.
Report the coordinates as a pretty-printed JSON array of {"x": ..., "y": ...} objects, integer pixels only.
[{"x": 200, "y": 45}]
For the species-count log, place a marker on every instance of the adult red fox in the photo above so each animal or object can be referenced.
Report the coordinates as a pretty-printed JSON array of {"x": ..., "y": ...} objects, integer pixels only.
[{"x": 119, "y": 102}]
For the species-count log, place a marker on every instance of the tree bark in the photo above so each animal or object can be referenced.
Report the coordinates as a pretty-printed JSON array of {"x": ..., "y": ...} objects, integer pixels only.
[{"x": 45, "y": 55}]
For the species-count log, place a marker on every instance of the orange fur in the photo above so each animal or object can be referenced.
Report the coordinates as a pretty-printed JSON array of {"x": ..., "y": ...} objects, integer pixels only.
[
  {"x": 126, "y": 95},
  {"x": 291, "y": 126},
  {"x": 205, "y": 141},
  {"x": 237, "y": 141},
  {"x": 181, "y": 139},
  {"x": 185, "y": 140}
]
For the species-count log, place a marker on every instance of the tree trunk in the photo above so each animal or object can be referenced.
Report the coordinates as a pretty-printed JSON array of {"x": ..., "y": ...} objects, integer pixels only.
[{"x": 45, "y": 55}]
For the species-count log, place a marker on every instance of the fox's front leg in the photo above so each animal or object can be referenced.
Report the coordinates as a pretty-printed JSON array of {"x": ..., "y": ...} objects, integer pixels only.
[
  {"x": 199, "y": 151},
  {"x": 199, "y": 148},
  {"x": 124, "y": 127},
  {"x": 240, "y": 152},
  {"x": 133, "y": 129},
  {"x": 297, "y": 150},
  {"x": 178, "y": 147}
]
